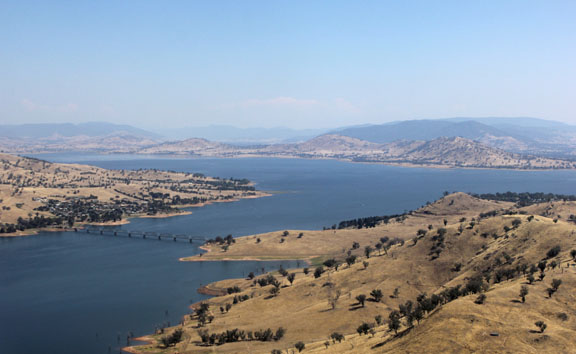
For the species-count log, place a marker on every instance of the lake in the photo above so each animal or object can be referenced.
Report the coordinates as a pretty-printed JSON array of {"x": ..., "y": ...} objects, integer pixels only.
[{"x": 78, "y": 293}]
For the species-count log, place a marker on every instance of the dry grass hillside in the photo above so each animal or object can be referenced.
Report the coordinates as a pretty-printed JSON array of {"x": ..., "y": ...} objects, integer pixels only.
[
  {"x": 473, "y": 248},
  {"x": 38, "y": 194}
]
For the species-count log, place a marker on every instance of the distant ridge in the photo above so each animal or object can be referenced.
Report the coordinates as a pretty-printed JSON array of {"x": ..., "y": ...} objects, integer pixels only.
[
  {"x": 526, "y": 135},
  {"x": 90, "y": 129}
]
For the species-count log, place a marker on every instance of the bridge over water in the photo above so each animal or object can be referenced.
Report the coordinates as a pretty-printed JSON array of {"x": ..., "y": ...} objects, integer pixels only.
[{"x": 106, "y": 231}]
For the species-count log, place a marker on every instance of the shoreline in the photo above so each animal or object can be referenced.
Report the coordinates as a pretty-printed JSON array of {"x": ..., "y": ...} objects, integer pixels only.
[
  {"x": 241, "y": 156},
  {"x": 386, "y": 163},
  {"x": 126, "y": 221}
]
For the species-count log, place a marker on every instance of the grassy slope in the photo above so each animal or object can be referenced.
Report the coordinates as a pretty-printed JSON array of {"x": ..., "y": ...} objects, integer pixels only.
[{"x": 459, "y": 326}]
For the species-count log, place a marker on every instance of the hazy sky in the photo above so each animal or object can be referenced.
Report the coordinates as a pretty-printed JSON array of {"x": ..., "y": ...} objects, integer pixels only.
[{"x": 285, "y": 63}]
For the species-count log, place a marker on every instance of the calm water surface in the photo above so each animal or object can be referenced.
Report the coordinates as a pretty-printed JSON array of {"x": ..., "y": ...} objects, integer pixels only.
[{"x": 79, "y": 293}]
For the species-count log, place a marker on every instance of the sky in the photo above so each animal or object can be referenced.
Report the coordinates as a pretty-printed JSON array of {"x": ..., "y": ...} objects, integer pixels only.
[{"x": 297, "y": 64}]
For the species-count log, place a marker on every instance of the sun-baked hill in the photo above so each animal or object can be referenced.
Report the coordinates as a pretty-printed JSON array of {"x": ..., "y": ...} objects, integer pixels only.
[{"x": 453, "y": 264}]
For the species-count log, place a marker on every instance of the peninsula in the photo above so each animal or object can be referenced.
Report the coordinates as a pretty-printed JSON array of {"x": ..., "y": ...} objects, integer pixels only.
[{"x": 36, "y": 194}]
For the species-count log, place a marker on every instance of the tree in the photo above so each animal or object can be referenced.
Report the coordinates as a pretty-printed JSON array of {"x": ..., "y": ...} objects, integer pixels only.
[
  {"x": 378, "y": 319},
  {"x": 291, "y": 278},
  {"x": 480, "y": 299},
  {"x": 350, "y": 260},
  {"x": 523, "y": 293},
  {"x": 337, "y": 337},
  {"x": 553, "y": 252},
  {"x": 361, "y": 299},
  {"x": 275, "y": 291},
  {"x": 396, "y": 292},
  {"x": 379, "y": 247},
  {"x": 279, "y": 333},
  {"x": 367, "y": 251},
  {"x": 541, "y": 325},
  {"x": 418, "y": 313},
  {"x": 363, "y": 328},
  {"x": 329, "y": 263},
  {"x": 541, "y": 276},
  {"x": 394, "y": 321},
  {"x": 530, "y": 278},
  {"x": 556, "y": 284},
  {"x": 300, "y": 346},
  {"x": 573, "y": 254},
  {"x": 318, "y": 272},
  {"x": 376, "y": 295},
  {"x": 333, "y": 297},
  {"x": 516, "y": 223},
  {"x": 306, "y": 271},
  {"x": 542, "y": 265},
  {"x": 365, "y": 264},
  {"x": 251, "y": 275}
]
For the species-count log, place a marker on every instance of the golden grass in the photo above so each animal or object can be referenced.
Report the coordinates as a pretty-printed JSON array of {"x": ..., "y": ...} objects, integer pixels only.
[{"x": 459, "y": 326}]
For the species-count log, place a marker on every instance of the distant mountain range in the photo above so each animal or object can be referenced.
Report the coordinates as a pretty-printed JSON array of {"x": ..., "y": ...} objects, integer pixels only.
[
  {"x": 231, "y": 134},
  {"x": 465, "y": 142},
  {"x": 527, "y": 135},
  {"x": 91, "y": 129},
  {"x": 95, "y": 137}
]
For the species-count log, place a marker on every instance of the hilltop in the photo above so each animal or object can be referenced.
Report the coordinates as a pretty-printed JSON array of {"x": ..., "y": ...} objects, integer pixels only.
[
  {"x": 522, "y": 135},
  {"x": 454, "y": 268},
  {"x": 38, "y": 194}
]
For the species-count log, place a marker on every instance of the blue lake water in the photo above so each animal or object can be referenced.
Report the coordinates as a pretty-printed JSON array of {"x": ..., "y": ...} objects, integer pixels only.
[{"x": 78, "y": 293}]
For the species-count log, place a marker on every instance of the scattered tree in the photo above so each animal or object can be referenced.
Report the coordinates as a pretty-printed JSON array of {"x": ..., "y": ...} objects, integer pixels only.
[
  {"x": 541, "y": 325},
  {"x": 291, "y": 278},
  {"x": 361, "y": 299},
  {"x": 367, "y": 251},
  {"x": 523, "y": 293},
  {"x": 363, "y": 328},
  {"x": 300, "y": 346},
  {"x": 480, "y": 299},
  {"x": 337, "y": 337},
  {"x": 376, "y": 295},
  {"x": 394, "y": 321},
  {"x": 553, "y": 252}
]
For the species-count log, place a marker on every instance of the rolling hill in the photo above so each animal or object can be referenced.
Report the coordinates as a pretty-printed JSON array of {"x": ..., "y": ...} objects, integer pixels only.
[{"x": 445, "y": 278}]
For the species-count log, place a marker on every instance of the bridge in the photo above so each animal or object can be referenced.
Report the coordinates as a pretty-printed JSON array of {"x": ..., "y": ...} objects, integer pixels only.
[{"x": 95, "y": 230}]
